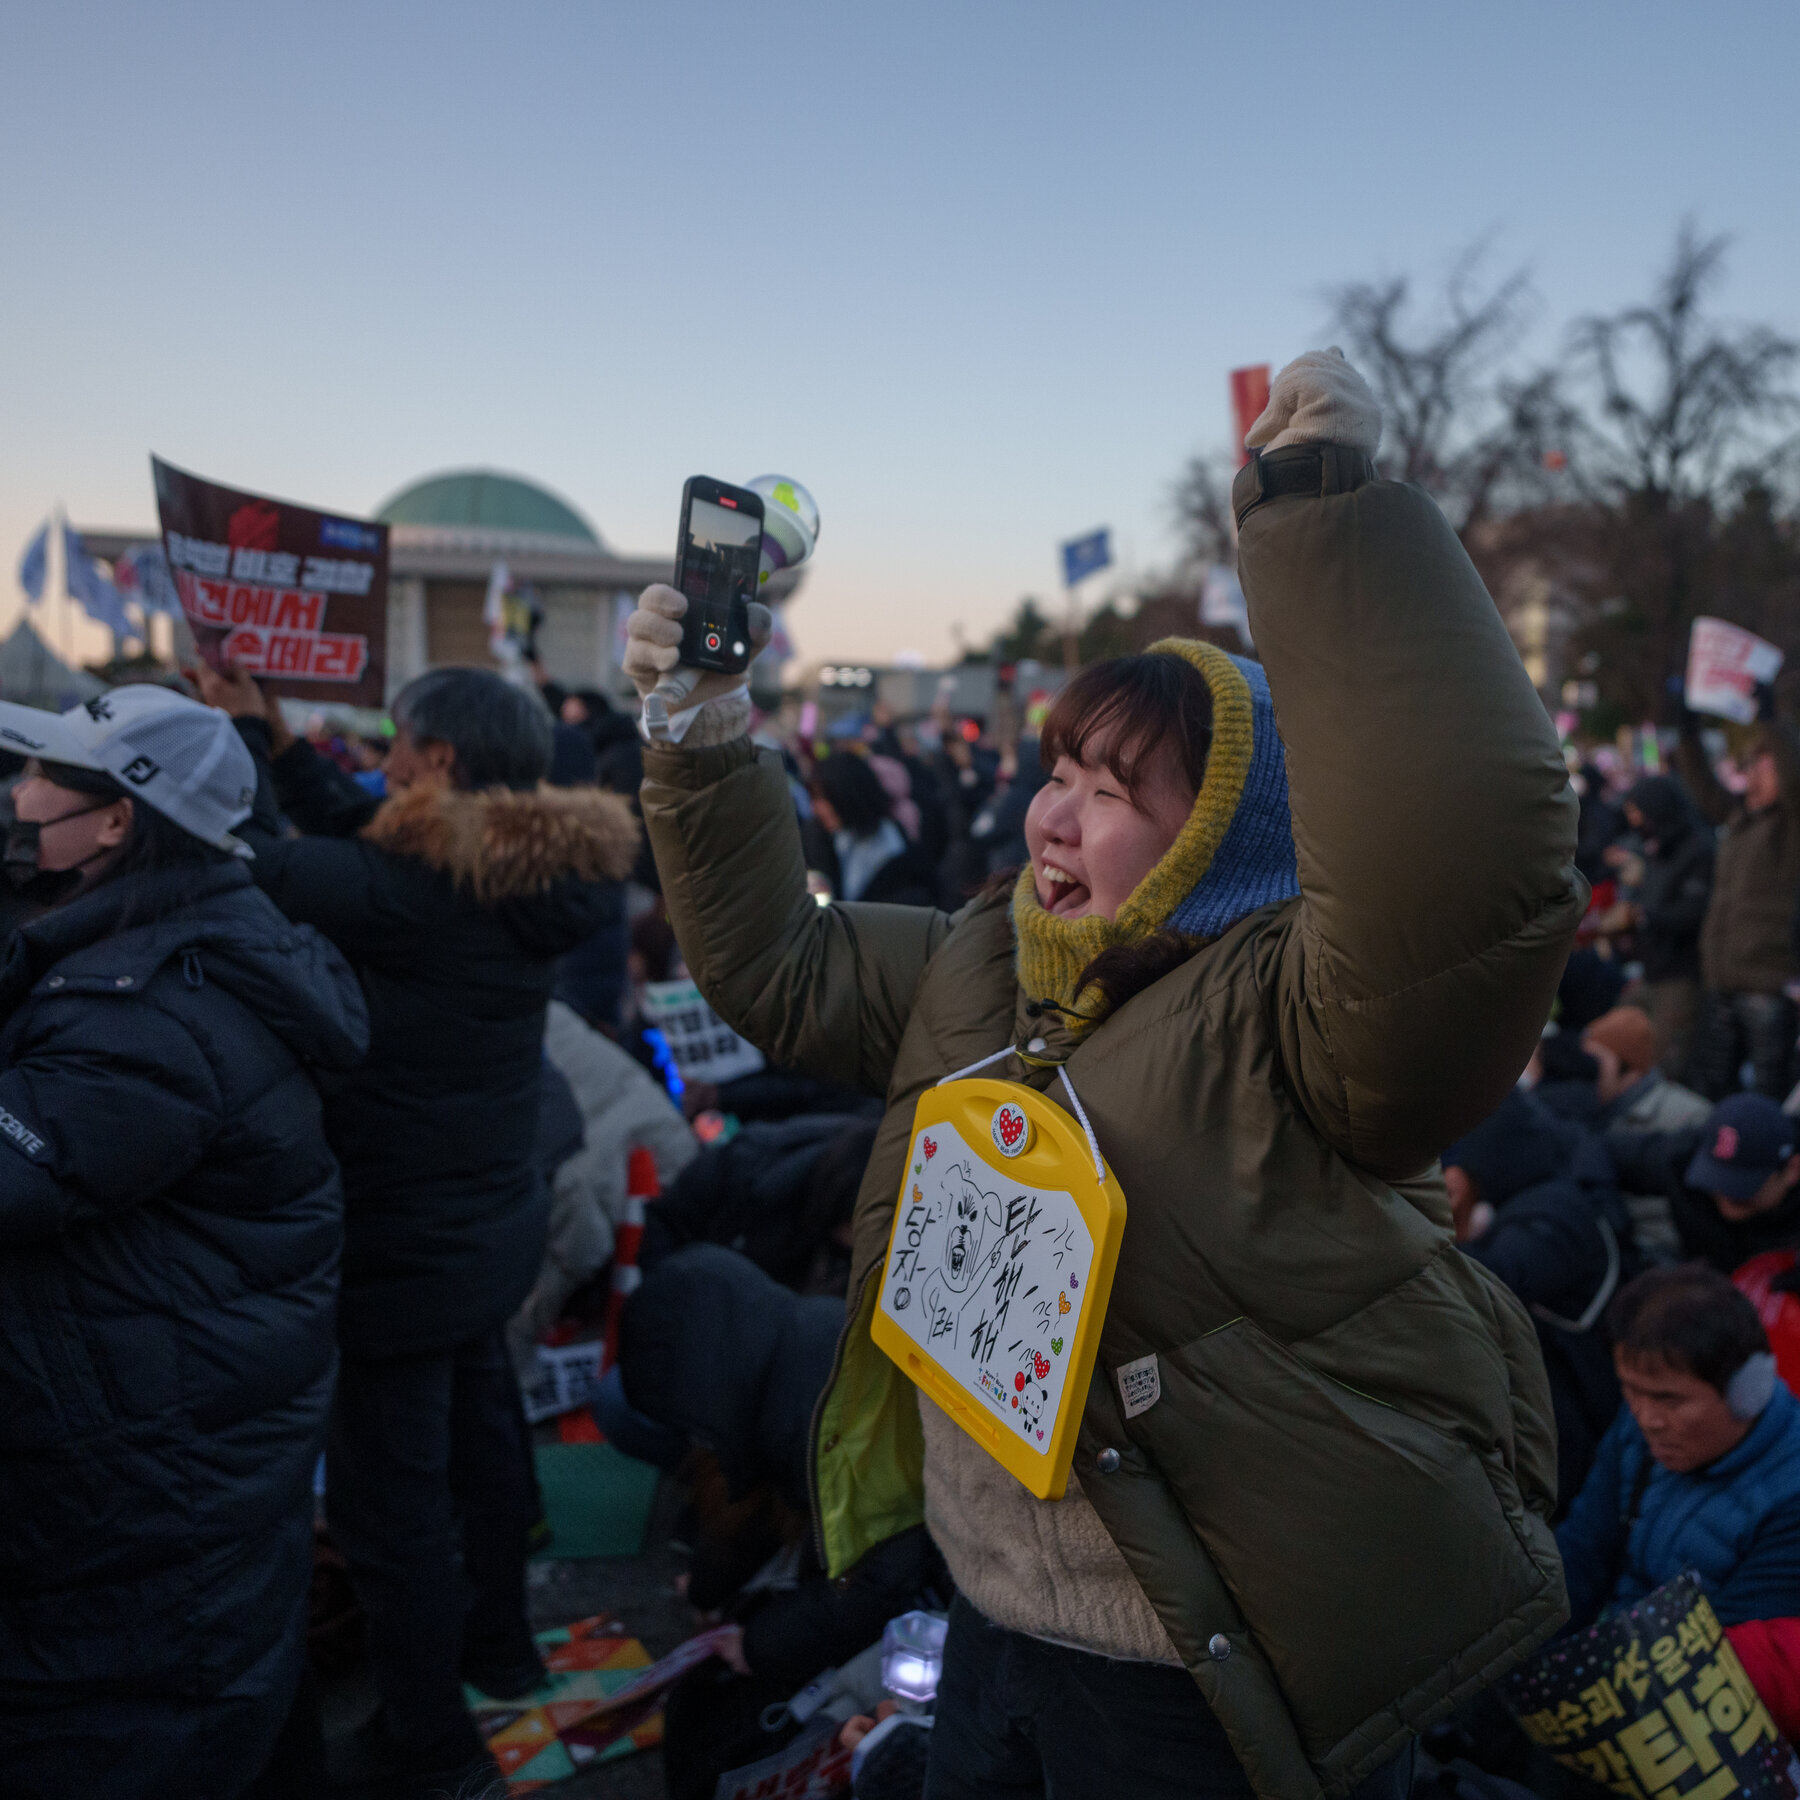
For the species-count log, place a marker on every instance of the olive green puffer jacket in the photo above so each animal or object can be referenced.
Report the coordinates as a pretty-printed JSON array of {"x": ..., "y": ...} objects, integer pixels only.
[{"x": 1350, "y": 1466}]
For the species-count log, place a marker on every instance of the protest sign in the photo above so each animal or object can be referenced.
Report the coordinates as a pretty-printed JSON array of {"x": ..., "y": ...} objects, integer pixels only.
[
  {"x": 1249, "y": 396},
  {"x": 814, "y": 1766},
  {"x": 296, "y": 598},
  {"x": 1653, "y": 1703},
  {"x": 999, "y": 1266},
  {"x": 568, "y": 1376},
  {"x": 705, "y": 1048},
  {"x": 1726, "y": 665}
]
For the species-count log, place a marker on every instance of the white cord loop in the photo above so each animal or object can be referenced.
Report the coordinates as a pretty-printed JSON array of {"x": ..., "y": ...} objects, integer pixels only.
[{"x": 1074, "y": 1101}]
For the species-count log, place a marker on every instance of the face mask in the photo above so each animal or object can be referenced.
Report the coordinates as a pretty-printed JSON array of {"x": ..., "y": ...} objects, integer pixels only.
[{"x": 24, "y": 871}]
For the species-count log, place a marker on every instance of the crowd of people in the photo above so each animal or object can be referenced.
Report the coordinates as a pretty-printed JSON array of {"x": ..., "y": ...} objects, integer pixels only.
[{"x": 1453, "y": 1117}]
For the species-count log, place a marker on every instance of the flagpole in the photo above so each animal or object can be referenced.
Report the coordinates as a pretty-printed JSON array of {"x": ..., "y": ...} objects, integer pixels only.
[{"x": 1071, "y": 630}]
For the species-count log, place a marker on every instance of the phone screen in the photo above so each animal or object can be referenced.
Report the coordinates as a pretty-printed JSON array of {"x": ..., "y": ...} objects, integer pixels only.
[{"x": 724, "y": 549}]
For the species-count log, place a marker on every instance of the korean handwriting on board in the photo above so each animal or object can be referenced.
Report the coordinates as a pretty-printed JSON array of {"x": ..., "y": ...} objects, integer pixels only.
[{"x": 987, "y": 1275}]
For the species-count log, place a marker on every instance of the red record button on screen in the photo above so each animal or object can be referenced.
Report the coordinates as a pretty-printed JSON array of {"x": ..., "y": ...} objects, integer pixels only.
[{"x": 712, "y": 640}]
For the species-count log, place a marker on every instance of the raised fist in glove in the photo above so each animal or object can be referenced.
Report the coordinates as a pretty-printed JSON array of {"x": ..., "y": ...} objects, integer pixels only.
[
  {"x": 682, "y": 704},
  {"x": 1318, "y": 399}
]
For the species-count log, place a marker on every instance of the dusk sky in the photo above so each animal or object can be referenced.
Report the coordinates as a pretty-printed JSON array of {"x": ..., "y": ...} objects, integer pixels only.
[{"x": 973, "y": 273}]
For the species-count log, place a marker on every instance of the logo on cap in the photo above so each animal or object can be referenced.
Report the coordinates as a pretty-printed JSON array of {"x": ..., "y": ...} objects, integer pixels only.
[
  {"x": 99, "y": 708},
  {"x": 1725, "y": 1145},
  {"x": 140, "y": 769}
]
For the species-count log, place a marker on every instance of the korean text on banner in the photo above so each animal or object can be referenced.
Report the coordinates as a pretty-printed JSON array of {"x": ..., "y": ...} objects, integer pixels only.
[
  {"x": 1726, "y": 665},
  {"x": 705, "y": 1048},
  {"x": 1653, "y": 1703},
  {"x": 296, "y": 598}
]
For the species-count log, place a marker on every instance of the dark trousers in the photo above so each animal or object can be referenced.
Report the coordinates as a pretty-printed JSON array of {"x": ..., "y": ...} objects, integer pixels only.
[
  {"x": 429, "y": 1494},
  {"x": 1018, "y": 1716},
  {"x": 1734, "y": 1028}
]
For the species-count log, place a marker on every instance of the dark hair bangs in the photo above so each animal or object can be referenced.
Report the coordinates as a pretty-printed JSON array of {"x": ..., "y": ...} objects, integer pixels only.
[
  {"x": 1122, "y": 712},
  {"x": 1690, "y": 1317}
]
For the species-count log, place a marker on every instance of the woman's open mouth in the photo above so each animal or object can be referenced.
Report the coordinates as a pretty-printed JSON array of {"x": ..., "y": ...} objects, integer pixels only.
[{"x": 1067, "y": 895}]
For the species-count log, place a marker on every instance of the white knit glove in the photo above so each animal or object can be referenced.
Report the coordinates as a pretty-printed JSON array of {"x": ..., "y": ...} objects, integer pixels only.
[
  {"x": 682, "y": 704},
  {"x": 1318, "y": 399}
]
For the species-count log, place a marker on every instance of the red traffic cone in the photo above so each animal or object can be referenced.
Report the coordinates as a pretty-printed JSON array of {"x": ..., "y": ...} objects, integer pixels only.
[{"x": 641, "y": 1184}]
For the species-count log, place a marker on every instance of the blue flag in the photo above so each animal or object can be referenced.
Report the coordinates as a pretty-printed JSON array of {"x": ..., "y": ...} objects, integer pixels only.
[
  {"x": 1083, "y": 555},
  {"x": 98, "y": 597},
  {"x": 31, "y": 564}
]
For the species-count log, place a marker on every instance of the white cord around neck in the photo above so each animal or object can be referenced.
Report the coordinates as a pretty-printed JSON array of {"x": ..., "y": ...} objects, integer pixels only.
[{"x": 1074, "y": 1100}]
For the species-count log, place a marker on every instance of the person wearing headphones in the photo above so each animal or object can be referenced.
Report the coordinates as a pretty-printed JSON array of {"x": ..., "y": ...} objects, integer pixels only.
[{"x": 1701, "y": 1468}]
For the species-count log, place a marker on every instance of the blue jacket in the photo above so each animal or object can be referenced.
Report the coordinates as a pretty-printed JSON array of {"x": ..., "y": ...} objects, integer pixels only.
[
  {"x": 171, "y": 1221},
  {"x": 1736, "y": 1521}
]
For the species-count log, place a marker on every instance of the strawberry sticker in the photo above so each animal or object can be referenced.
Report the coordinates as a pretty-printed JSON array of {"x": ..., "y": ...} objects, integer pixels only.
[
  {"x": 930, "y": 1149},
  {"x": 1011, "y": 1129}
]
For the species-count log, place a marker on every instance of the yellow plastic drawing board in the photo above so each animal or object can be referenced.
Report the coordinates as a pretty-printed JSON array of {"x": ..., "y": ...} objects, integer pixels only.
[{"x": 999, "y": 1269}]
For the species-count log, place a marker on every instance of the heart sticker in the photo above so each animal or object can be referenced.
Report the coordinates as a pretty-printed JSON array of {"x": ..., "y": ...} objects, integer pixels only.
[
  {"x": 1011, "y": 1129},
  {"x": 930, "y": 1149},
  {"x": 1056, "y": 1346},
  {"x": 1040, "y": 1366}
]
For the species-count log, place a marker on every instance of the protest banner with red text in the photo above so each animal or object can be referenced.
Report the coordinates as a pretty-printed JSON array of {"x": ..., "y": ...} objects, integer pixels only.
[{"x": 296, "y": 598}]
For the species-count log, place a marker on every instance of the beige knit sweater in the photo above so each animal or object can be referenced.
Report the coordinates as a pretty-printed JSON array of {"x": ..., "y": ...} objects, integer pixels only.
[{"x": 1044, "y": 1567}]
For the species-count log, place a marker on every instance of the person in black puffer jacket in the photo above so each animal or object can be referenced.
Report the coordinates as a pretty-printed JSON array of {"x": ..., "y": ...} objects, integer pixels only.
[
  {"x": 170, "y": 1226},
  {"x": 1535, "y": 1202},
  {"x": 453, "y": 901}
]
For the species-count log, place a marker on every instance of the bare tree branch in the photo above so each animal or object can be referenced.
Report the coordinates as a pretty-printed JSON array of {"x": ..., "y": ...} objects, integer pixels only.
[{"x": 1434, "y": 376}]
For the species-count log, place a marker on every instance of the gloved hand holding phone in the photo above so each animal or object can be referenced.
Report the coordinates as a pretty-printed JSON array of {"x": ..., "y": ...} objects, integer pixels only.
[
  {"x": 685, "y": 705},
  {"x": 689, "y": 647}
]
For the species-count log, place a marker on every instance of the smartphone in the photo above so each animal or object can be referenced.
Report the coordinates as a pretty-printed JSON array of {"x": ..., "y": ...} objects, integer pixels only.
[{"x": 716, "y": 564}]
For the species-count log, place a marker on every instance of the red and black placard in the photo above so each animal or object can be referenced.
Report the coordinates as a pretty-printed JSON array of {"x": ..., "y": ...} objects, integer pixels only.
[{"x": 297, "y": 598}]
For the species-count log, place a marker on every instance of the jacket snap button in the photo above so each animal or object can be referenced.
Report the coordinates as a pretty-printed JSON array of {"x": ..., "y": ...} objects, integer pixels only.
[
  {"x": 1218, "y": 1646},
  {"x": 55, "y": 981},
  {"x": 123, "y": 981},
  {"x": 1037, "y": 1046},
  {"x": 1107, "y": 1461}
]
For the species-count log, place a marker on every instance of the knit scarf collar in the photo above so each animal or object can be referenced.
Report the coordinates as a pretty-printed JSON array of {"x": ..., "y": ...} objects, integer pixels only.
[{"x": 1234, "y": 854}]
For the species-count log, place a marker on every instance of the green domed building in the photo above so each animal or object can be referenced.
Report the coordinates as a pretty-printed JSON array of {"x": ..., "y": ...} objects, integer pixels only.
[{"x": 486, "y": 500}]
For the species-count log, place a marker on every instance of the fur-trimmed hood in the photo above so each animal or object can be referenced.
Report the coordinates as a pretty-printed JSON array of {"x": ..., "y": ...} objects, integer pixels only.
[{"x": 502, "y": 845}]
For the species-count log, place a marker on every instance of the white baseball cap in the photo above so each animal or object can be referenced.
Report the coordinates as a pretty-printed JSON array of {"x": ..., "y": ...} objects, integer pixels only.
[{"x": 183, "y": 758}]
